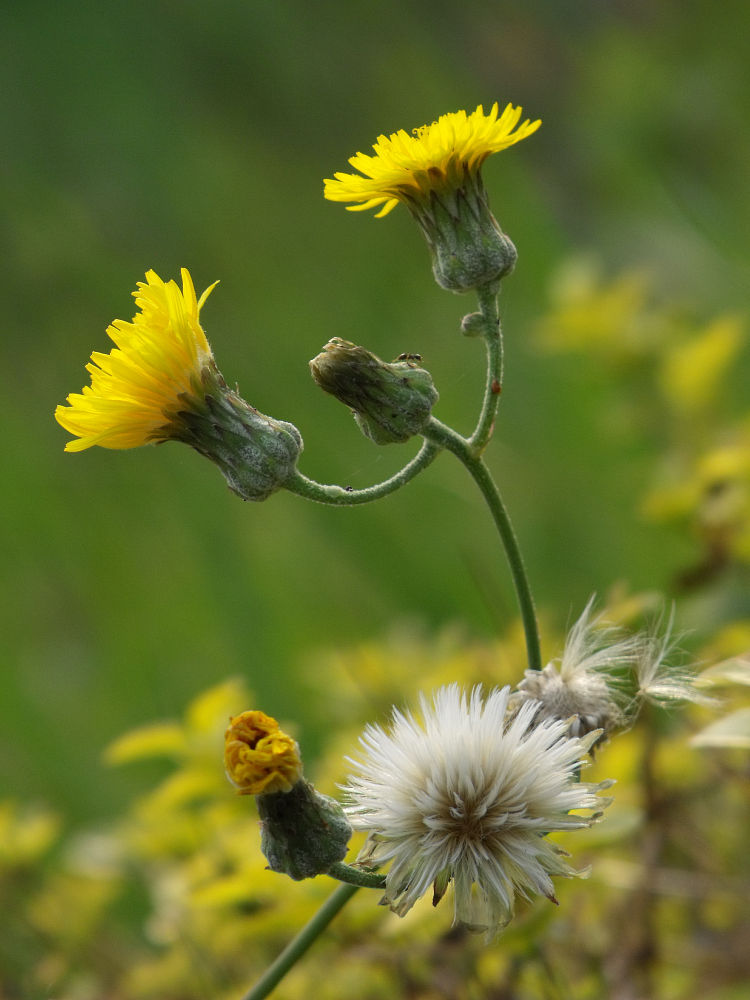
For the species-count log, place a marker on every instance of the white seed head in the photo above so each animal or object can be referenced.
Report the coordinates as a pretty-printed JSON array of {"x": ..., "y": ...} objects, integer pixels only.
[
  {"x": 661, "y": 682},
  {"x": 586, "y": 684},
  {"x": 469, "y": 795},
  {"x": 604, "y": 676}
]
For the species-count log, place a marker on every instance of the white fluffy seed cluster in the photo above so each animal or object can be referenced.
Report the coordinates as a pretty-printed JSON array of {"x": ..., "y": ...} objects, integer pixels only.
[
  {"x": 468, "y": 794},
  {"x": 604, "y": 676}
]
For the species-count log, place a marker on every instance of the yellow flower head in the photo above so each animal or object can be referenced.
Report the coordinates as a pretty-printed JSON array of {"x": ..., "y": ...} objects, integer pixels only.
[
  {"x": 259, "y": 757},
  {"x": 436, "y": 173},
  {"x": 153, "y": 372},
  {"x": 161, "y": 383},
  {"x": 437, "y": 156}
]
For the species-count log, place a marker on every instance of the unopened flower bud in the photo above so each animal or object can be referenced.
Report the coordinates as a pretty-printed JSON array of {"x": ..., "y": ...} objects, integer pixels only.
[
  {"x": 390, "y": 402},
  {"x": 303, "y": 833}
]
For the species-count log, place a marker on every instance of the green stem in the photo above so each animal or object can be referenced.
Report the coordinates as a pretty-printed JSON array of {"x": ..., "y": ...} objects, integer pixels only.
[
  {"x": 493, "y": 340},
  {"x": 362, "y": 877},
  {"x": 296, "y": 948},
  {"x": 445, "y": 437},
  {"x": 339, "y": 496}
]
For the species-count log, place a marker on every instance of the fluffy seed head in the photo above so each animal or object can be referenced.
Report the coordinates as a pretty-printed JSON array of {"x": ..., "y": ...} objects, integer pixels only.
[{"x": 468, "y": 794}]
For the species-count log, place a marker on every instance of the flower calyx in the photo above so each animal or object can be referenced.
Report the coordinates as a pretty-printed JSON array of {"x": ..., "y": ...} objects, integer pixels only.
[
  {"x": 255, "y": 453},
  {"x": 468, "y": 248}
]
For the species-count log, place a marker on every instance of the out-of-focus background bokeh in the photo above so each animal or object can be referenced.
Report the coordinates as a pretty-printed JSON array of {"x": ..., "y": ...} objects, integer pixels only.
[{"x": 175, "y": 134}]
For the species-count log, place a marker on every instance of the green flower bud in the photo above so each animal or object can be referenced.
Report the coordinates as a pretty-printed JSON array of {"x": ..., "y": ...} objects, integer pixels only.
[
  {"x": 468, "y": 247},
  {"x": 390, "y": 402},
  {"x": 255, "y": 453},
  {"x": 303, "y": 833}
]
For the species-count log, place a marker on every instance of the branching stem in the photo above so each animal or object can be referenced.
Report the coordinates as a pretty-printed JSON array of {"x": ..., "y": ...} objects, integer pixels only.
[
  {"x": 340, "y": 496},
  {"x": 437, "y": 436},
  {"x": 465, "y": 452}
]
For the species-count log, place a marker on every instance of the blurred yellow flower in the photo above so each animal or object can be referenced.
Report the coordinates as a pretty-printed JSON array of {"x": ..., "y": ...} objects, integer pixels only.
[
  {"x": 589, "y": 312},
  {"x": 25, "y": 834},
  {"x": 712, "y": 495},
  {"x": 159, "y": 739},
  {"x": 193, "y": 739},
  {"x": 692, "y": 371},
  {"x": 259, "y": 757},
  {"x": 438, "y": 156},
  {"x": 154, "y": 371}
]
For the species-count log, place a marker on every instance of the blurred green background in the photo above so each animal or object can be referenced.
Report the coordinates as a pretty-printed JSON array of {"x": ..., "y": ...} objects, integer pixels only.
[{"x": 174, "y": 134}]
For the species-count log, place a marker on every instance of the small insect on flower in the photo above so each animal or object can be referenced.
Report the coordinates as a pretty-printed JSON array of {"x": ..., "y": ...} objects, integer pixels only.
[{"x": 390, "y": 402}]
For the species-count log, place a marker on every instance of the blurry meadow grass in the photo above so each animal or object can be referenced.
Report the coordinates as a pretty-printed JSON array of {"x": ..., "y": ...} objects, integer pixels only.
[{"x": 185, "y": 134}]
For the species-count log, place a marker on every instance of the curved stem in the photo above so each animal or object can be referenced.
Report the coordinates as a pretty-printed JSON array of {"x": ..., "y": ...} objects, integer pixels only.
[
  {"x": 340, "y": 496},
  {"x": 362, "y": 877},
  {"x": 493, "y": 340},
  {"x": 296, "y": 948},
  {"x": 447, "y": 438}
]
